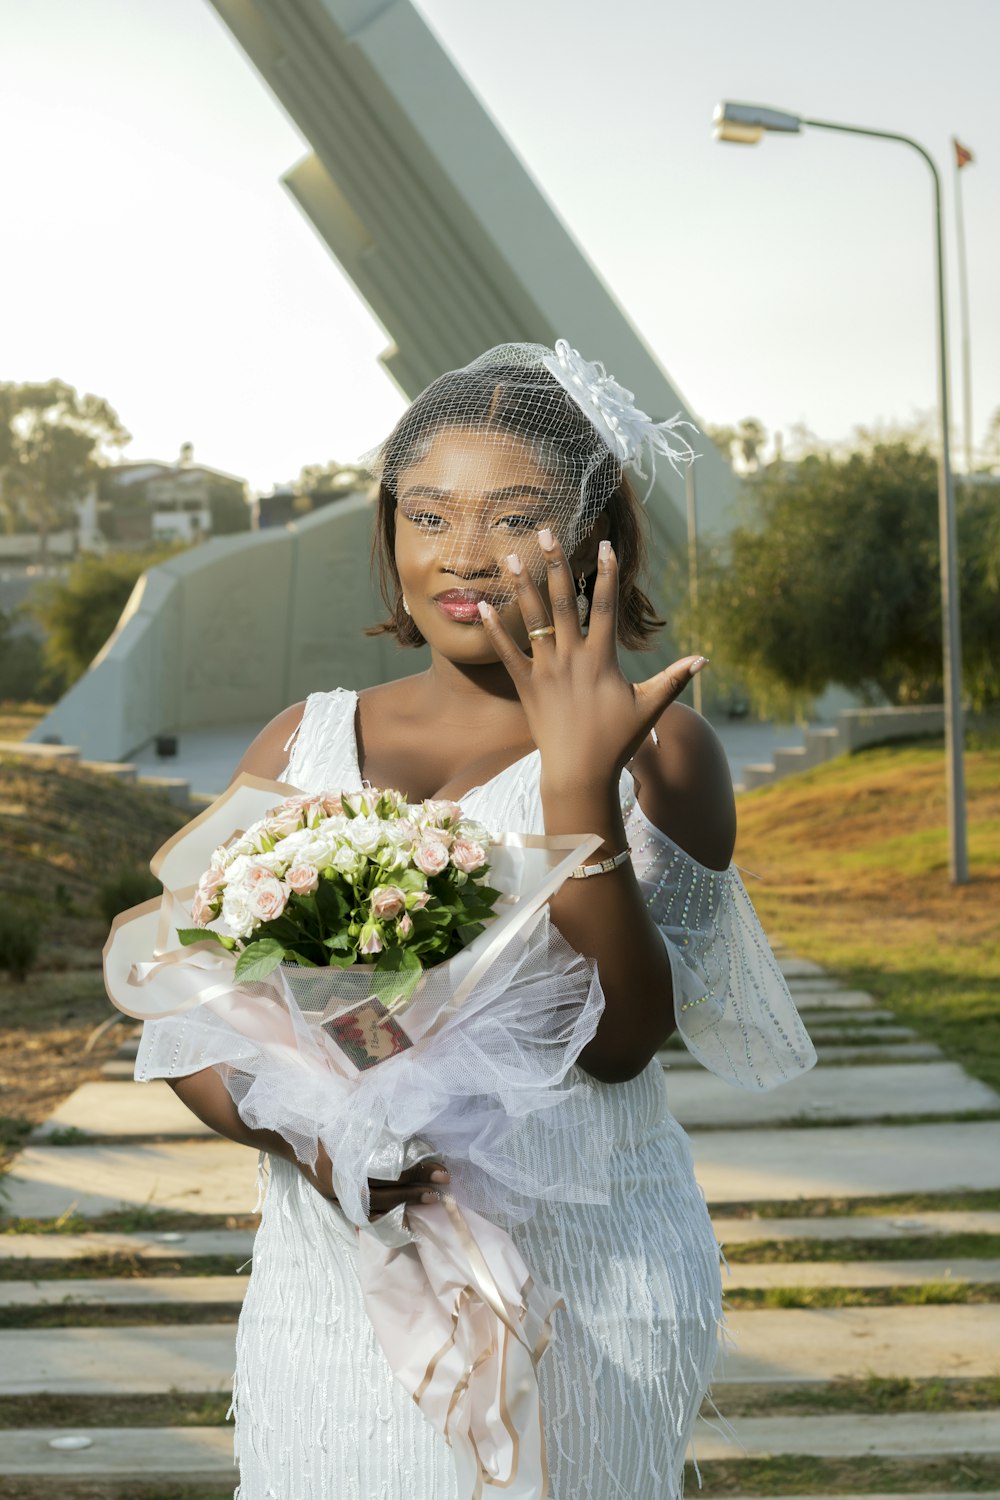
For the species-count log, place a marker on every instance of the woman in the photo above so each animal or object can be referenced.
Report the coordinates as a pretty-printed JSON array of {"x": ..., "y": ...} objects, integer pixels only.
[{"x": 505, "y": 520}]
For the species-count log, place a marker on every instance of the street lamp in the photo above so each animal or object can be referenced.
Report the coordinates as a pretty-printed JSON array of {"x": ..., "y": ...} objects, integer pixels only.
[{"x": 745, "y": 124}]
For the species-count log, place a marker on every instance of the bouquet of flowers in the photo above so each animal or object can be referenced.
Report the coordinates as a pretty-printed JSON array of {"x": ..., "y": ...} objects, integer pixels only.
[{"x": 343, "y": 964}]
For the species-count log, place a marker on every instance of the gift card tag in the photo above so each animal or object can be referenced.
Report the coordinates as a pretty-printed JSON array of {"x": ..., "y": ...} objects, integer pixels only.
[{"x": 367, "y": 1035}]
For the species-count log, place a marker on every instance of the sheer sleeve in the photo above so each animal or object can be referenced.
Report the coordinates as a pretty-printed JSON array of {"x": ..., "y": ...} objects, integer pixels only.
[{"x": 732, "y": 1005}]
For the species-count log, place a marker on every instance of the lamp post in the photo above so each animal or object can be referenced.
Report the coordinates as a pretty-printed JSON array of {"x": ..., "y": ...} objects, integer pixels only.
[{"x": 745, "y": 124}]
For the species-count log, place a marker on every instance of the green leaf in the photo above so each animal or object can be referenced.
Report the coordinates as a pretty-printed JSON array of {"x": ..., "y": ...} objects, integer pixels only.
[
  {"x": 189, "y": 935},
  {"x": 338, "y": 942},
  {"x": 259, "y": 959}
]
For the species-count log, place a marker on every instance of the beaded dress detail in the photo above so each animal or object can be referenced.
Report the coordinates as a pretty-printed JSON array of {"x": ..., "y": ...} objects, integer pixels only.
[{"x": 319, "y": 1415}]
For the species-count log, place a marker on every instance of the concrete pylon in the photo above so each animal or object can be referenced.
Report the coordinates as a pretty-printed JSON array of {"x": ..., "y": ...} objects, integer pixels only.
[{"x": 435, "y": 220}]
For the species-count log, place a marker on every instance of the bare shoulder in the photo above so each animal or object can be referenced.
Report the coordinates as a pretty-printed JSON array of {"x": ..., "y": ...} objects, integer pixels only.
[
  {"x": 684, "y": 786},
  {"x": 267, "y": 756}
]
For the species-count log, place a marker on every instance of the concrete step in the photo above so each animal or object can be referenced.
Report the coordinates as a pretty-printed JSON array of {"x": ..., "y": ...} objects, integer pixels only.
[
  {"x": 210, "y": 1177},
  {"x": 849, "y": 1161},
  {"x": 858, "y": 1273},
  {"x": 105, "y": 1361},
  {"x": 731, "y": 1231},
  {"x": 142, "y": 1452},
  {"x": 800, "y": 1344},
  {"x": 793, "y": 1345},
  {"x": 117, "y": 770},
  {"x": 170, "y": 1244},
  {"x": 125, "y": 1291},
  {"x": 107, "y": 1109},
  {"x": 838, "y": 1031},
  {"x": 861, "y": 1093},
  {"x": 801, "y": 968},
  {"x": 840, "y": 999},
  {"x": 760, "y": 773},
  {"x": 856, "y": 1434}
]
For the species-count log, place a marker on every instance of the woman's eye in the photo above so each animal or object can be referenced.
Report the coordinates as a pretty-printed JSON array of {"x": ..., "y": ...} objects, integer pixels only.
[
  {"x": 425, "y": 518},
  {"x": 519, "y": 523}
]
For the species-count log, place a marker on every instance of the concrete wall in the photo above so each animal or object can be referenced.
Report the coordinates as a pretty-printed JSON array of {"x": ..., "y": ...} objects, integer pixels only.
[{"x": 232, "y": 632}]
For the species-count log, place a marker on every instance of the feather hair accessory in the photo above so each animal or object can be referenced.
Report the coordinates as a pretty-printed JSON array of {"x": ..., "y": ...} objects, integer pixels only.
[{"x": 630, "y": 433}]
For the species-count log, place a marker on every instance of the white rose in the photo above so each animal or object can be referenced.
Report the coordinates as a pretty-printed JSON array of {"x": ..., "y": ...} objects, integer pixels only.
[
  {"x": 236, "y": 911},
  {"x": 239, "y": 869},
  {"x": 365, "y": 835},
  {"x": 478, "y": 833},
  {"x": 345, "y": 861}
]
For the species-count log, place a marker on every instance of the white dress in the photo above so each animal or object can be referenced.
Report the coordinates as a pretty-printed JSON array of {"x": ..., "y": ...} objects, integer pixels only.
[{"x": 319, "y": 1415}]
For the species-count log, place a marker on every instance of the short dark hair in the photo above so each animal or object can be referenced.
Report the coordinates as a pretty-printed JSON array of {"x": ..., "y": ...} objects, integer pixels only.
[{"x": 493, "y": 400}]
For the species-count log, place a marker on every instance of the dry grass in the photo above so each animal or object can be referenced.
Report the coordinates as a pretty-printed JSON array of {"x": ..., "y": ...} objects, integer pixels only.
[
  {"x": 64, "y": 831},
  {"x": 854, "y": 864}
]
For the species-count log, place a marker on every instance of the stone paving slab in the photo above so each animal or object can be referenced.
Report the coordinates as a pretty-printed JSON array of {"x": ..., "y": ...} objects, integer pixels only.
[
  {"x": 792, "y": 1345},
  {"x": 175, "y": 1245},
  {"x": 905, "y": 1435},
  {"x": 123, "y": 1291},
  {"x": 143, "y": 1452},
  {"x": 801, "y": 968},
  {"x": 823, "y": 1000},
  {"x": 144, "y": 1109},
  {"x": 808, "y": 1344},
  {"x": 211, "y": 1177},
  {"x": 848, "y": 1161},
  {"x": 105, "y": 1361},
  {"x": 861, "y": 1093},
  {"x": 835, "y": 1028},
  {"x": 732, "y": 1231},
  {"x": 845, "y": 1273}
]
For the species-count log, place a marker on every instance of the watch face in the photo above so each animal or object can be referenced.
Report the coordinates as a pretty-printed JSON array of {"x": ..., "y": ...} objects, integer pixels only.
[{"x": 368, "y": 1034}]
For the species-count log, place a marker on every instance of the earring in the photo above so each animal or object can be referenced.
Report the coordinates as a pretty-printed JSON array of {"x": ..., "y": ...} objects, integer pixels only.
[
  {"x": 406, "y": 607},
  {"x": 582, "y": 602}
]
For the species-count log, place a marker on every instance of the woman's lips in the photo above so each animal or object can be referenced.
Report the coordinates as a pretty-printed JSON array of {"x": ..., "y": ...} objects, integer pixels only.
[{"x": 460, "y": 604}]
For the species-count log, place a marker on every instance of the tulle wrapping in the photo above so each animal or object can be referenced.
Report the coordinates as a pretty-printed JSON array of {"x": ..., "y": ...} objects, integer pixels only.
[{"x": 487, "y": 1086}]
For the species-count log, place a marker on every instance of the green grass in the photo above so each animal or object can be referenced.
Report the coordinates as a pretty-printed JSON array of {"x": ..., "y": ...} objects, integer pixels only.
[
  {"x": 906, "y": 1247},
  {"x": 968, "y": 1200},
  {"x": 854, "y": 861},
  {"x": 119, "y": 1315},
  {"x": 125, "y": 1488},
  {"x": 921, "y": 1294},
  {"x": 874, "y": 1395},
  {"x": 124, "y": 1266},
  {"x": 166, "y": 1409},
  {"x": 135, "y": 1219},
  {"x": 801, "y": 1474}
]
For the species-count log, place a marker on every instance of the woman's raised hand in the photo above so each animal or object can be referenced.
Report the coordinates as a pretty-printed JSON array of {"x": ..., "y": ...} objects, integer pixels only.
[{"x": 585, "y": 716}]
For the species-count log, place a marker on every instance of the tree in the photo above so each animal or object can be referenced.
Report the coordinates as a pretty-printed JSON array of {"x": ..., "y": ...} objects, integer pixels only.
[
  {"x": 330, "y": 477},
  {"x": 751, "y": 436},
  {"x": 52, "y": 441},
  {"x": 79, "y": 613},
  {"x": 834, "y": 579}
]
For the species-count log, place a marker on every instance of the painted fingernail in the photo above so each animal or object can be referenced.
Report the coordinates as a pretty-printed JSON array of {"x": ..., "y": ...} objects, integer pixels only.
[
  {"x": 513, "y": 562},
  {"x": 696, "y": 666},
  {"x": 485, "y": 612},
  {"x": 546, "y": 540},
  {"x": 604, "y": 551},
  {"x": 440, "y": 1176},
  {"x": 430, "y": 1198}
]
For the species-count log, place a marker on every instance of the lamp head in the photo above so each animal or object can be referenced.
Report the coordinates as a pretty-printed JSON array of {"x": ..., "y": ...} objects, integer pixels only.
[{"x": 744, "y": 124}]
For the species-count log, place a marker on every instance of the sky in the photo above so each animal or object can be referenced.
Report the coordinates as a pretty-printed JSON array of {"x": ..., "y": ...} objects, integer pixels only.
[{"x": 150, "y": 254}]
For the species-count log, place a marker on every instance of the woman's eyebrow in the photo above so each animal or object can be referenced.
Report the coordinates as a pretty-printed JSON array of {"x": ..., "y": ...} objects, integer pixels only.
[{"x": 509, "y": 492}]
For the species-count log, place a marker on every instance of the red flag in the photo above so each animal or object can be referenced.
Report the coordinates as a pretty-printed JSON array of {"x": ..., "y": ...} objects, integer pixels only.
[{"x": 963, "y": 156}]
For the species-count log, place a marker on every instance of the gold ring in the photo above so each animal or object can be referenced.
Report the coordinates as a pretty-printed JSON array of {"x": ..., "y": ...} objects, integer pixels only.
[{"x": 534, "y": 635}]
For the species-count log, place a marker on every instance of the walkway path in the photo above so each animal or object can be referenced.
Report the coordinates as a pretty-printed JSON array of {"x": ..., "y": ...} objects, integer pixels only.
[{"x": 866, "y": 1355}]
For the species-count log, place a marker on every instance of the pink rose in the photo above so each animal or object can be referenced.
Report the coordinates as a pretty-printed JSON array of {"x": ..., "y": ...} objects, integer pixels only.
[
  {"x": 371, "y": 943},
  {"x": 441, "y": 834},
  {"x": 417, "y": 903},
  {"x": 201, "y": 910},
  {"x": 430, "y": 856},
  {"x": 303, "y": 879},
  {"x": 405, "y": 925},
  {"x": 332, "y": 804},
  {"x": 467, "y": 855},
  {"x": 387, "y": 901},
  {"x": 281, "y": 823},
  {"x": 211, "y": 882},
  {"x": 268, "y": 898}
]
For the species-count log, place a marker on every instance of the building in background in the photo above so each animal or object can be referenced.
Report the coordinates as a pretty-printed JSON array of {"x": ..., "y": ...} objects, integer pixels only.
[{"x": 143, "y": 503}]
